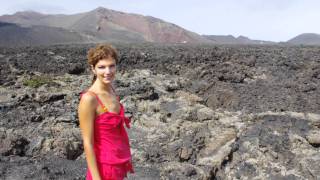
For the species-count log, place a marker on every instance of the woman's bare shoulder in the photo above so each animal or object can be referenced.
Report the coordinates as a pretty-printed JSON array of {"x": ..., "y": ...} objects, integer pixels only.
[{"x": 87, "y": 99}]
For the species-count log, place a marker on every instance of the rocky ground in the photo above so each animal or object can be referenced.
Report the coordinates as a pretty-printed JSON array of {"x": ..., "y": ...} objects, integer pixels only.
[{"x": 198, "y": 112}]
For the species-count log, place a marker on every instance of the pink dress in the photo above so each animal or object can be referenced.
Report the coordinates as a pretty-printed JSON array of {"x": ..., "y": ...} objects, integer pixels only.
[{"x": 111, "y": 144}]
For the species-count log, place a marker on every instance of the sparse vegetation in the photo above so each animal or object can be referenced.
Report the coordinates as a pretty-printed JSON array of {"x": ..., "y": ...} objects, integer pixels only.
[
  {"x": 37, "y": 81},
  {"x": 67, "y": 79}
]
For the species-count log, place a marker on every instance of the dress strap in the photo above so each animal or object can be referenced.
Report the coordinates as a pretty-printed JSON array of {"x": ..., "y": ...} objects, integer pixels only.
[{"x": 99, "y": 101}]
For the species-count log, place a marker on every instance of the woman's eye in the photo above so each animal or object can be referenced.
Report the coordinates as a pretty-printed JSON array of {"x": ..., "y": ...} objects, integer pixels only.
[{"x": 103, "y": 67}]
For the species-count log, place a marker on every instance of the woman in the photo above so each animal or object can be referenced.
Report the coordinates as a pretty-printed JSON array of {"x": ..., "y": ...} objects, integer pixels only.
[{"x": 102, "y": 120}]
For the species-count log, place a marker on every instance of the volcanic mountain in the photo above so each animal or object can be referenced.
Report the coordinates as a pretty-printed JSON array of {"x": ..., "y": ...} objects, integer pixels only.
[
  {"x": 17, "y": 35},
  {"x": 104, "y": 24},
  {"x": 229, "y": 39},
  {"x": 306, "y": 38}
]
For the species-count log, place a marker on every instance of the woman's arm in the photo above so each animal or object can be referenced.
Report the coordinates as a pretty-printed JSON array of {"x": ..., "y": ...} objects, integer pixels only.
[{"x": 86, "y": 114}]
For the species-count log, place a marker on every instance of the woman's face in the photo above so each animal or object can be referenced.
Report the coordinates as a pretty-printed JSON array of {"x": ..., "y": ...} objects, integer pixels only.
[{"x": 105, "y": 70}]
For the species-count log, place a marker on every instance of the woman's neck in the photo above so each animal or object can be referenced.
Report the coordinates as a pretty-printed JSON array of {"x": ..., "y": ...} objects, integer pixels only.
[{"x": 102, "y": 88}]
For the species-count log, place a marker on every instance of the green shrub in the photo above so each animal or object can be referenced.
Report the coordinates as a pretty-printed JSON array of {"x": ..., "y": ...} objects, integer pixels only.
[{"x": 36, "y": 81}]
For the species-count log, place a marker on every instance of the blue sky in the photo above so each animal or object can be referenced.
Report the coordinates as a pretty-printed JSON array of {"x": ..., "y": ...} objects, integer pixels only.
[{"x": 275, "y": 20}]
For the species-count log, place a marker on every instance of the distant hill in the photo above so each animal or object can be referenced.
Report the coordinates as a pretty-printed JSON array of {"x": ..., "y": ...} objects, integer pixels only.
[
  {"x": 306, "y": 38},
  {"x": 16, "y": 35},
  {"x": 229, "y": 39},
  {"x": 110, "y": 25},
  {"x": 102, "y": 24}
]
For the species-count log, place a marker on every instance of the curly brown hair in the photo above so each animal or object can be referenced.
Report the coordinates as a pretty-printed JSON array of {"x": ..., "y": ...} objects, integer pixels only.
[{"x": 101, "y": 51}]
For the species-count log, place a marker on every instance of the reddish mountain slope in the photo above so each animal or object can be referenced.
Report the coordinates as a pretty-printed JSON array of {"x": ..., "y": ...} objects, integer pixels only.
[{"x": 106, "y": 24}]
